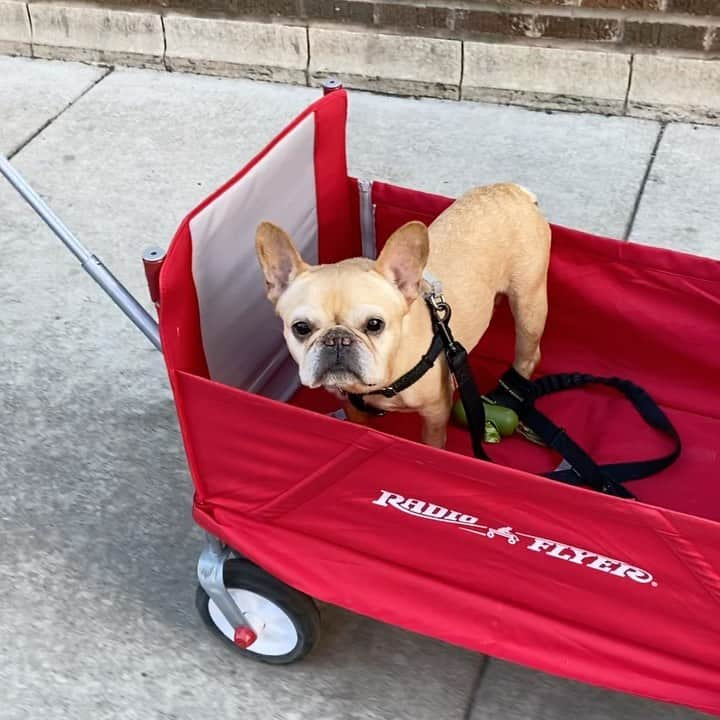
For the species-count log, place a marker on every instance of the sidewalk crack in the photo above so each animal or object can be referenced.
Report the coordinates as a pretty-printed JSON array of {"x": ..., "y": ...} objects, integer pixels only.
[
  {"x": 643, "y": 183},
  {"x": 62, "y": 110},
  {"x": 477, "y": 684}
]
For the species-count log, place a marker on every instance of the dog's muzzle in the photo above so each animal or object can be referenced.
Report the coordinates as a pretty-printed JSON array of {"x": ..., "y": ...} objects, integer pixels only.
[
  {"x": 338, "y": 354},
  {"x": 338, "y": 338}
]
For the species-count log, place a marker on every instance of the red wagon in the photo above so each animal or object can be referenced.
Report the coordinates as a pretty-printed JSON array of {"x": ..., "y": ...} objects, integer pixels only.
[{"x": 299, "y": 504}]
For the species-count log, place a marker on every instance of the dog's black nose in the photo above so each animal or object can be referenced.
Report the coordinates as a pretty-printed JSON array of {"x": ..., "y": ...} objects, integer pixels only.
[{"x": 337, "y": 337}]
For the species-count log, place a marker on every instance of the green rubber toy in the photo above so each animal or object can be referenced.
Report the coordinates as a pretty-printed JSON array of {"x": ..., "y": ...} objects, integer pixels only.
[{"x": 500, "y": 421}]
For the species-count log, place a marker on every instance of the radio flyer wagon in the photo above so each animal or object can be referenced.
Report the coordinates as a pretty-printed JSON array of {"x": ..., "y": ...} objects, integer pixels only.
[{"x": 299, "y": 504}]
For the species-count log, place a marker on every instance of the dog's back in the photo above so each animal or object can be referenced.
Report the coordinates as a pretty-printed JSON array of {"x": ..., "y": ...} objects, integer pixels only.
[{"x": 492, "y": 240}]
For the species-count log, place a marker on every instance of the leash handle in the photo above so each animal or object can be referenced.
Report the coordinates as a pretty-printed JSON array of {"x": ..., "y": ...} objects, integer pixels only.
[{"x": 520, "y": 394}]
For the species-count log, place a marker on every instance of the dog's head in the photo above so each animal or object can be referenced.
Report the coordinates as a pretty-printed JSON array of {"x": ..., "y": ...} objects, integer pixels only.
[{"x": 343, "y": 322}]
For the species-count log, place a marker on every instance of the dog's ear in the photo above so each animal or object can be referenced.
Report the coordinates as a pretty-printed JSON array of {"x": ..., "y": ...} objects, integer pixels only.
[
  {"x": 280, "y": 261},
  {"x": 403, "y": 258}
]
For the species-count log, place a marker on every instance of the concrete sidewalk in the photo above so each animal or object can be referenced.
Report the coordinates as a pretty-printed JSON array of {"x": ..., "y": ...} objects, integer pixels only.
[{"x": 99, "y": 550}]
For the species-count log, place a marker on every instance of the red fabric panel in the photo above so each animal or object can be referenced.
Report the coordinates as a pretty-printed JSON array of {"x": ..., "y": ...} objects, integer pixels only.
[
  {"x": 647, "y": 314},
  {"x": 303, "y": 508},
  {"x": 395, "y": 206},
  {"x": 522, "y": 632},
  {"x": 336, "y": 222},
  {"x": 178, "y": 308}
]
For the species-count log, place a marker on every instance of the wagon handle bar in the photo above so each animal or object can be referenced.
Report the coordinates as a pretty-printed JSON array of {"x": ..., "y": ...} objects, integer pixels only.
[{"x": 119, "y": 294}]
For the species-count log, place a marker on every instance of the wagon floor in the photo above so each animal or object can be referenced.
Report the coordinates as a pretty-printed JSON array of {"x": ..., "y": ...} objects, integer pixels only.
[{"x": 608, "y": 427}]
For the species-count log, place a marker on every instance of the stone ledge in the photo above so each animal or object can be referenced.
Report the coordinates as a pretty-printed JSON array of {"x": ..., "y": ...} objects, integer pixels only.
[
  {"x": 546, "y": 77},
  {"x": 398, "y": 64},
  {"x": 261, "y": 51},
  {"x": 15, "y": 33},
  {"x": 607, "y": 80},
  {"x": 675, "y": 88},
  {"x": 90, "y": 34}
]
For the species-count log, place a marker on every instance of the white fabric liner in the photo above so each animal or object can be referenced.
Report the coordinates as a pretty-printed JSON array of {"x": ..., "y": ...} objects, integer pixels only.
[{"x": 241, "y": 335}]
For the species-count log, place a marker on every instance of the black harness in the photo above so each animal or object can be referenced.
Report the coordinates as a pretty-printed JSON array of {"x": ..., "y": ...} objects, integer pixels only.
[
  {"x": 404, "y": 381},
  {"x": 520, "y": 394}
]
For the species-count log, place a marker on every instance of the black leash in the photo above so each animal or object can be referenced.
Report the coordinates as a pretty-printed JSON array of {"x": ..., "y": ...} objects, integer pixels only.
[{"x": 519, "y": 394}]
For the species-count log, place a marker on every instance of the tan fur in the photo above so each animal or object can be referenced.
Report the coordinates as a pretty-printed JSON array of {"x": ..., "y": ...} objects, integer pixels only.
[{"x": 491, "y": 241}]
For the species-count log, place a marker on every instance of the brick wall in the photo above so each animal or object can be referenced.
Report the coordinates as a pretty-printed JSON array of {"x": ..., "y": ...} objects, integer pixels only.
[{"x": 689, "y": 26}]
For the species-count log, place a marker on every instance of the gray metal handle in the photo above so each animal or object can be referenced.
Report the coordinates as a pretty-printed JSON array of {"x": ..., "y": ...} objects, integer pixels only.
[{"x": 120, "y": 295}]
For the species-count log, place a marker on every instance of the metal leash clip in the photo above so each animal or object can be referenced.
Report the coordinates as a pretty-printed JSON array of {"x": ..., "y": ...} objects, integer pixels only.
[
  {"x": 436, "y": 290},
  {"x": 440, "y": 309},
  {"x": 529, "y": 434}
]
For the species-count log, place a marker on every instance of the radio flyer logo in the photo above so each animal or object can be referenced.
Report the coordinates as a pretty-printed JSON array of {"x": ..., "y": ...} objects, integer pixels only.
[{"x": 532, "y": 543}]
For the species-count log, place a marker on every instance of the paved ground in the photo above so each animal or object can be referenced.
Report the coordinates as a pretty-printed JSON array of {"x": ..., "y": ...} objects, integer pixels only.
[{"x": 98, "y": 549}]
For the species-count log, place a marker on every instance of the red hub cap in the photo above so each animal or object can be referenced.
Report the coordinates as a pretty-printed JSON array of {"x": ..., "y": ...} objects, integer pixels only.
[{"x": 244, "y": 636}]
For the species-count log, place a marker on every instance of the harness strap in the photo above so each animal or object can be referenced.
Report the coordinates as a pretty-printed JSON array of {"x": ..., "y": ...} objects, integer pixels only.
[
  {"x": 415, "y": 373},
  {"x": 404, "y": 381}
]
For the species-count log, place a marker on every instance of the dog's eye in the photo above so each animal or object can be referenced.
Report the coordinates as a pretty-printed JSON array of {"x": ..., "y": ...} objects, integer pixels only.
[
  {"x": 374, "y": 326},
  {"x": 301, "y": 329}
]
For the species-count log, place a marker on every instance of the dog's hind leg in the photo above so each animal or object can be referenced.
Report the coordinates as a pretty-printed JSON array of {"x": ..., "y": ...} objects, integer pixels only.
[{"x": 529, "y": 311}]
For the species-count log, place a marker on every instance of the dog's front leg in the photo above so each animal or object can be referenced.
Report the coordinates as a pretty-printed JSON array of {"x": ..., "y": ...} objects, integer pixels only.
[
  {"x": 435, "y": 421},
  {"x": 357, "y": 416}
]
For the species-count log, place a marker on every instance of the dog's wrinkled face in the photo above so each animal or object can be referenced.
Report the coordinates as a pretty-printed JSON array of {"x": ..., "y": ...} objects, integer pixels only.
[{"x": 343, "y": 322}]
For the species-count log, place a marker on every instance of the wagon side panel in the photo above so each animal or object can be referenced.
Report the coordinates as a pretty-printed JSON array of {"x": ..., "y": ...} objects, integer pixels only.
[{"x": 496, "y": 560}]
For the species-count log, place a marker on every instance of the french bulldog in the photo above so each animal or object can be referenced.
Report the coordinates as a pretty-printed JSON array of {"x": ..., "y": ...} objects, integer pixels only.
[{"x": 357, "y": 325}]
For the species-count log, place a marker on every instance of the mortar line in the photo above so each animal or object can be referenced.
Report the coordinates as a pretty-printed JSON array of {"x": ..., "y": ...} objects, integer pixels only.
[
  {"x": 643, "y": 183},
  {"x": 32, "y": 30},
  {"x": 49, "y": 122},
  {"x": 477, "y": 683},
  {"x": 629, "y": 83},
  {"x": 462, "y": 69}
]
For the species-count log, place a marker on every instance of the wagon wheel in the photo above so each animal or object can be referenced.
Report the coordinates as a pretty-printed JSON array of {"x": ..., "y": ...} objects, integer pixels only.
[{"x": 287, "y": 622}]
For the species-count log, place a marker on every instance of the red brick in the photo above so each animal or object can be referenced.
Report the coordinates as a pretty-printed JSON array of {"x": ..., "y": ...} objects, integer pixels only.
[
  {"x": 412, "y": 17},
  {"x": 481, "y": 22},
  {"x": 579, "y": 28},
  {"x": 664, "y": 35},
  {"x": 341, "y": 11},
  {"x": 694, "y": 7},
  {"x": 714, "y": 40}
]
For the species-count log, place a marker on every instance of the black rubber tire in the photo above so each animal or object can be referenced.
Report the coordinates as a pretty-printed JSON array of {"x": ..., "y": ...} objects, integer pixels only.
[{"x": 300, "y": 608}]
